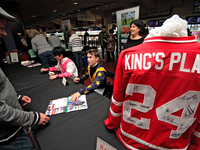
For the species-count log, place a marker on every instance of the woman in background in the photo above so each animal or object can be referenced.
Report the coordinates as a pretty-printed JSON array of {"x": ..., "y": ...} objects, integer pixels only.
[
  {"x": 40, "y": 45},
  {"x": 110, "y": 46},
  {"x": 136, "y": 36}
]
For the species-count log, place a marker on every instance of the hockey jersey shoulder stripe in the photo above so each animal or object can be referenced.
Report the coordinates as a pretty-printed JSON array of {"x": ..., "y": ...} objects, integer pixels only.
[
  {"x": 171, "y": 39},
  {"x": 115, "y": 102},
  {"x": 144, "y": 142},
  {"x": 196, "y": 133},
  {"x": 115, "y": 114}
]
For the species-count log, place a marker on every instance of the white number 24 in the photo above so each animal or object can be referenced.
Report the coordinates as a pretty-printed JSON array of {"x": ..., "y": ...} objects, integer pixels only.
[{"x": 189, "y": 102}]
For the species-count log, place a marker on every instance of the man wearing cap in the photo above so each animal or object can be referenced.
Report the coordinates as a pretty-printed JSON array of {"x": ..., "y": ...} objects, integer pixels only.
[
  {"x": 12, "y": 117},
  {"x": 103, "y": 35}
]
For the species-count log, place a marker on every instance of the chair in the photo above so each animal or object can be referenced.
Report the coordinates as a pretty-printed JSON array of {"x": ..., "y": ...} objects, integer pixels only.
[{"x": 109, "y": 87}]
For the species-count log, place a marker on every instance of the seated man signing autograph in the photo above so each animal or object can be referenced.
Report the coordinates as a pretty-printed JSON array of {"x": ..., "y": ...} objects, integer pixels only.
[
  {"x": 95, "y": 72},
  {"x": 65, "y": 65}
]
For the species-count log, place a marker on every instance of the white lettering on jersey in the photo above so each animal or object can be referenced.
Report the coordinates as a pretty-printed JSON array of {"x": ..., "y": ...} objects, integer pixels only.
[
  {"x": 149, "y": 97},
  {"x": 127, "y": 66},
  {"x": 196, "y": 65},
  {"x": 189, "y": 102},
  {"x": 175, "y": 58},
  {"x": 183, "y": 64},
  {"x": 161, "y": 61},
  {"x": 146, "y": 65},
  {"x": 139, "y": 61}
]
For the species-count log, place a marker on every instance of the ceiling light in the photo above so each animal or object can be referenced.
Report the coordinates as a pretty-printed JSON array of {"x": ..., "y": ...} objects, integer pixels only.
[
  {"x": 106, "y": 6},
  {"x": 79, "y": 10},
  {"x": 114, "y": 4},
  {"x": 75, "y": 3},
  {"x": 97, "y": 8},
  {"x": 88, "y": 11},
  {"x": 54, "y": 10},
  {"x": 34, "y": 16}
]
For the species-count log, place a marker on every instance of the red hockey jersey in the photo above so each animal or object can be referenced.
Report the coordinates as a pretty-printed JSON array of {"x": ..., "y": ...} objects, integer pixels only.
[{"x": 155, "y": 102}]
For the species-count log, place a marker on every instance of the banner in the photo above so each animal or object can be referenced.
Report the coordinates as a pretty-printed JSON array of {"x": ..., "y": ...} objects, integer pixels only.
[
  {"x": 85, "y": 17},
  {"x": 124, "y": 18}
]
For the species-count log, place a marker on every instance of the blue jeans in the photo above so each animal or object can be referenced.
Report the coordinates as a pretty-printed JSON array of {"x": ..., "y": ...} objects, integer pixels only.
[
  {"x": 46, "y": 58},
  {"x": 78, "y": 59},
  {"x": 20, "y": 141}
]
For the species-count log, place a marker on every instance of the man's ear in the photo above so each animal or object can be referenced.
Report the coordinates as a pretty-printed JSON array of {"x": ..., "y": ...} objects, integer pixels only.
[{"x": 97, "y": 59}]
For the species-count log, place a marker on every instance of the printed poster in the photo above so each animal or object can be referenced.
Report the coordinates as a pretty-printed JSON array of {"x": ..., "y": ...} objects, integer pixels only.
[
  {"x": 124, "y": 18},
  {"x": 63, "y": 105}
]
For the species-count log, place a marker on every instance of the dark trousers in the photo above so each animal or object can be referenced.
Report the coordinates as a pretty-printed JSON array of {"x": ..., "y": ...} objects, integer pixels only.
[
  {"x": 20, "y": 141},
  {"x": 102, "y": 47},
  {"x": 108, "y": 56},
  {"x": 46, "y": 58}
]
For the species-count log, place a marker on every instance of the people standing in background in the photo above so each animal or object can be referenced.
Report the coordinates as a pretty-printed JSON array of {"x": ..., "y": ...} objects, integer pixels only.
[
  {"x": 136, "y": 35},
  {"x": 41, "y": 46},
  {"x": 76, "y": 43},
  {"x": 26, "y": 40},
  {"x": 103, "y": 35},
  {"x": 110, "y": 46},
  {"x": 54, "y": 40},
  {"x": 85, "y": 38}
]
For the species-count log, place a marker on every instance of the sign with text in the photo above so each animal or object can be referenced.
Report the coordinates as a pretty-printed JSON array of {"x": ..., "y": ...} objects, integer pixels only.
[{"x": 102, "y": 145}]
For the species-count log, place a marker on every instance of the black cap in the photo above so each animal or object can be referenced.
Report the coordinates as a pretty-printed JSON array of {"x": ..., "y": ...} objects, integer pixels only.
[
  {"x": 103, "y": 26},
  {"x": 5, "y": 15}
]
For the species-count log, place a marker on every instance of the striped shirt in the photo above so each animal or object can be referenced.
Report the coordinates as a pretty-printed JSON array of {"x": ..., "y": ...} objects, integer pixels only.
[{"x": 76, "y": 43}]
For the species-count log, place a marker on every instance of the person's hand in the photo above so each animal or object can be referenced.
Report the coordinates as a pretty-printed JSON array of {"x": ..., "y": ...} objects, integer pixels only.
[
  {"x": 75, "y": 96},
  {"x": 25, "y": 100},
  {"x": 25, "y": 44},
  {"x": 43, "y": 119},
  {"x": 52, "y": 77},
  {"x": 43, "y": 70},
  {"x": 76, "y": 80}
]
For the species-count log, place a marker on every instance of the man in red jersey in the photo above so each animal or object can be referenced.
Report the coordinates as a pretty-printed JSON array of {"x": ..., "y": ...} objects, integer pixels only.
[{"x": 155, "y": 102}]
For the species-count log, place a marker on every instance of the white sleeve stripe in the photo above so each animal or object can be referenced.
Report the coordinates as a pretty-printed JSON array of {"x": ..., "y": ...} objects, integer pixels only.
[
  {"x": 37, "y": 117},
  {"x": 19, "y": 96},
  {"x": 115, "y": 114},
  {"x": 196, "y": 133},
  {"x": 116, "y": 103}
]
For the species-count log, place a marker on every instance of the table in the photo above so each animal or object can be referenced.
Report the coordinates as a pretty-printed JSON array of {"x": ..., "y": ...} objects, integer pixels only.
[{"x": 74, "y": 130}]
